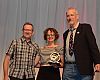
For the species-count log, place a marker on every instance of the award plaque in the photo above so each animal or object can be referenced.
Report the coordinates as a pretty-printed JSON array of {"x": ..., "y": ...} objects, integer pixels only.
[{"x": 54, "y": 58}]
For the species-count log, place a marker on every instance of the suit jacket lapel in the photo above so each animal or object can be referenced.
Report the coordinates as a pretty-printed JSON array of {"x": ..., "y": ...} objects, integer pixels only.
[
  {"x": 77, "y": 34},
  {"x": 65, "y": 35}
]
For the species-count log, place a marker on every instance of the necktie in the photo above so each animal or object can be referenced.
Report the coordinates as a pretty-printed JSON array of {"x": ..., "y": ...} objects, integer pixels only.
[{"x": 71, "y": 43}]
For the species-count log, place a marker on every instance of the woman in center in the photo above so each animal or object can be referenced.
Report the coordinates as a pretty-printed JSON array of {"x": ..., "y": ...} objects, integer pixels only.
[{"x": 49, "y": 65}]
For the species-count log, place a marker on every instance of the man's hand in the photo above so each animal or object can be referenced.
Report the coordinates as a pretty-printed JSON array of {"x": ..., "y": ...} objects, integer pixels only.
[
  {"x": 97, "y": 67},
  {"x": 5, "y": 78}
]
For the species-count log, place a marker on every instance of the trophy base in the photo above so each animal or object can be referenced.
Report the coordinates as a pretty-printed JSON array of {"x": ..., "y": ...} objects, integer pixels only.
[{"x": 54, "y": 63}]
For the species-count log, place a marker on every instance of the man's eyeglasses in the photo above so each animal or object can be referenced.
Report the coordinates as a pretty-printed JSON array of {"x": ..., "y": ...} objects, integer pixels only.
[{"x": 27, "y": 29}]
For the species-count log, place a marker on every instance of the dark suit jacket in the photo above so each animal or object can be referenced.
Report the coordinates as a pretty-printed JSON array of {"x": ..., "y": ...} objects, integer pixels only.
[{"x": 85, "y": 48}]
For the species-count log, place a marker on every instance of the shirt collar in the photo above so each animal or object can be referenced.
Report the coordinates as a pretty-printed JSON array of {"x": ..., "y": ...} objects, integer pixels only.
[
  {"x": 72, "y": 29},
  {"x": 76, "y": 25},
  {"x": 23, "y": 39}
]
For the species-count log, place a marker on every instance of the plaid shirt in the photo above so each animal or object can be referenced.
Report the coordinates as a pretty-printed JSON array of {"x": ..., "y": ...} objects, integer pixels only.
[{"x": 22, "y": 55}]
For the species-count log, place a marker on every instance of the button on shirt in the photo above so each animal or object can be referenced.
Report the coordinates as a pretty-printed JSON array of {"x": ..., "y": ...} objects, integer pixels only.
[
  {"x": 68, "y": 57},
  {"x": 22, "y": 55}
]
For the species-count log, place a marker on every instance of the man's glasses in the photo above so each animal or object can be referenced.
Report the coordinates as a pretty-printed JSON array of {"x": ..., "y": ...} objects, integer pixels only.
[{"x": 27, "y": 29}]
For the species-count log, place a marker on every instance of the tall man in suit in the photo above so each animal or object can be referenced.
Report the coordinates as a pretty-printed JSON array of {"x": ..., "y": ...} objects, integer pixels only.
[{"x": 81, "y": 52}]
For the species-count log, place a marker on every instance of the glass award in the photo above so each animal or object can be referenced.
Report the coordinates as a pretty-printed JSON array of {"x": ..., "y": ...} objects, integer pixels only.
[{"x": 54, "y": 58}]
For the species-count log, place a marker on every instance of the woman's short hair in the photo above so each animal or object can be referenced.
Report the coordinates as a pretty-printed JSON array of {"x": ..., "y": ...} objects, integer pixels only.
[{"x": 52, "y": 30}]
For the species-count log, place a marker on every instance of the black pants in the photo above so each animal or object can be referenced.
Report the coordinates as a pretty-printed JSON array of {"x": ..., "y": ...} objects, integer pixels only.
[
  {"x": 48, "y": 73},
  {"x": 13, "y": 78}
]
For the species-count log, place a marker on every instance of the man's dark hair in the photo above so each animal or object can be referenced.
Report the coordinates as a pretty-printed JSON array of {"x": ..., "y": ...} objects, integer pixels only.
[{"x": 28, "y": 23}]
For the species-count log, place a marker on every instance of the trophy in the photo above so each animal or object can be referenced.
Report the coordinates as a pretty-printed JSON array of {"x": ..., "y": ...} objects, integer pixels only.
[{"x": 54, "y": 58}]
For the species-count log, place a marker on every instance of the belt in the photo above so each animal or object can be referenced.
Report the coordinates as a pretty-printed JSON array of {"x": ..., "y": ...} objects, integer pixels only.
[{"x": 70, "y": 62}]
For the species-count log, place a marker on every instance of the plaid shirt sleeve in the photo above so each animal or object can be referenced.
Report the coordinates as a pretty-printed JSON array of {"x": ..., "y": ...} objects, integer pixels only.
[
  {"x": 11, "y": 48},
  {"x": 37, "y": 49}
]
